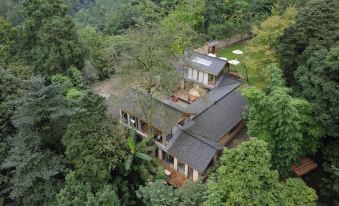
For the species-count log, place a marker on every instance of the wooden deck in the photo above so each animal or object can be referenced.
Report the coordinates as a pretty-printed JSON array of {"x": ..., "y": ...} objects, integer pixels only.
[
  {"x": 306, "y": 165},
  {"x": 175, "y": 178},
  {"x": 182, "y": 94}
]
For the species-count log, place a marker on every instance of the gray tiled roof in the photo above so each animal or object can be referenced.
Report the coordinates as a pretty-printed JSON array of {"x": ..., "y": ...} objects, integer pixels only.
[
  {"x": 215, "y": 67},
  {"x": 217, "y": 120},
  {"x": 210, "y": 98},
  {"x": 192, "y": 151},
  {"x": 197, "y": 143},
  {"x": 229, "y": 81},
  {"x": 164, "y": 117}
]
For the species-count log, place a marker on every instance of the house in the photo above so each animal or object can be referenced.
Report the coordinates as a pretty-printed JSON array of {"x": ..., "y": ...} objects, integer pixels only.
[
  {"x": 204, "y": 69},
  {"x": 193, "y": 126}
]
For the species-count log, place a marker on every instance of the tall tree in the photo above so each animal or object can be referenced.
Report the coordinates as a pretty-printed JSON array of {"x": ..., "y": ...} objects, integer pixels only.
[
  {"x": 241, "y": 14},
  {"x": 329, "y": 186},
  {"x": 286, "y": 123},
  {"x": 11, "y": 11},
  {"x": 148, "y": 60},
  {"x": 34, "y": 155},
  {"x": 244, "y": 177},
  {"x": 7, "y": 42},
  {"x": 316, "y": 27},
  {"x": 76, "y": 193},
  {"x": 160, "y": 193},
  {"x": 319, "y": 82},
  {"x": 98, "y": 48},
  {"x": 11, "y": 88},
  {"x": 94, "y": 144},
  {"x": 263, "y": 47},
  {"x": 49, "y": 41},
  {"x": 183, "y": 24}
]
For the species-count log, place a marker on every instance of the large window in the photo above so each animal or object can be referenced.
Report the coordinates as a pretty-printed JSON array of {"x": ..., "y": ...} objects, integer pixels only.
[
  {"x": 124, "y": 117},
  {"x": 201, "y": 76},
  {"x": 190, "y": 173},
  {"x": 169, "y": 159},
  {"x": 168, "y": 138},
  {"x": 144, "y": 127},
  {"x": 195, "y": 75},
  {"x": 205, "y": 80},
  {"x": 190, "y": 73},
  {"x": 181, "y": 168},
  {"x": 133, "y": 121},
  {"x": 211, "y": 80}
]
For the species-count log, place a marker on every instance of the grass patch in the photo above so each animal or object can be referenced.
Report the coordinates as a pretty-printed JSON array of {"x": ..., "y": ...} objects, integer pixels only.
[{"x": 227, "y": 51}]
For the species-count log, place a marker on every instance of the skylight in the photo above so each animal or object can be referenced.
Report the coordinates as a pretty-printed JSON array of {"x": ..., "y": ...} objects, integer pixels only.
[{"x": 201, "y": 61}]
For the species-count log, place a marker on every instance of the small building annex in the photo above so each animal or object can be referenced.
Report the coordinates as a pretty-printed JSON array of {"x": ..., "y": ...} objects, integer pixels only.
[{"x": 192, "y": 127}]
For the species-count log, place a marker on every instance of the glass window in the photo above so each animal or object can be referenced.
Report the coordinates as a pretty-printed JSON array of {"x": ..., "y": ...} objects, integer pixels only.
[
  {"x": 124, "y": 117},
  {"x": 133, "y": 121},
  {"x": 205, "y": 78},
  {"x": 181, "y": 168},
  {"x": 190, "y": 73},
  {"x": 144, "y": 127},
  {"x": 211, "y": 79},
  {"x": 190, "y": 173},
  {"x": 201, "y": 77},
  {"x": 195, "y": 75},
  {"x": 169, "y": 159}
]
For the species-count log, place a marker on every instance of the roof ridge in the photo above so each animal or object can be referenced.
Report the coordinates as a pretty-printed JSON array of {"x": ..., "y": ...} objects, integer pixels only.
[
  {"x": 158, "y": 99},
  {"x": 216, "y": 101},
  {"x": 205, "y": 140}
]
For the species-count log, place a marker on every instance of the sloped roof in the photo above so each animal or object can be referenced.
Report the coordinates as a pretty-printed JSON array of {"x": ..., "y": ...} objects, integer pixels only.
[
  {"x": 205, "y": 63},
  {"x": 210, "y": 98},
  {"x": 218, "y": 119},
  {"x": 164, "y": 117},
  {"x": 227, "y": 80},
  {"x": 197, "y": 141},
  {"x": 192, "y": 151}
]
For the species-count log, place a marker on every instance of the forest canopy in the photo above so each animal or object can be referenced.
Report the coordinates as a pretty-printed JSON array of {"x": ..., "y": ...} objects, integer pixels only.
[{"x": 59, "y": 146}]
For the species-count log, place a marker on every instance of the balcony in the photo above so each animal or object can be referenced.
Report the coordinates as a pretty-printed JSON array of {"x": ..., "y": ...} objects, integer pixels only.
[{"x": 174, "y": 178}]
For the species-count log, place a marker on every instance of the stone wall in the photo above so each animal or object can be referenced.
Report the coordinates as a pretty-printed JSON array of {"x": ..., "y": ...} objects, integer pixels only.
[{"x": 224, "y": 43}]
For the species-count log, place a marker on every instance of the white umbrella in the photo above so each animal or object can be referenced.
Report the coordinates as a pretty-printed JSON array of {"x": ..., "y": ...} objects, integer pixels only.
[
  {"x": 237, "y": 52},
  {"x": 234, "y": 62}
]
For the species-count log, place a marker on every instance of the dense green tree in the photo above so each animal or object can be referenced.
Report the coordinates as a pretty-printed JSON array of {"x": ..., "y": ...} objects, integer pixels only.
[
  {"x": 115, "y": 18},
  {"x": 287, "y": 124},
  {"x": 11, "y": 11},
  {"x": 7, "y": 42},
  {"x": 94, "y": 145},
  {"x": 10, "y": 88},
  {"x": 222, "y": 31},
  {"x": 316, "y": 27},
  {"x": 34, "y": 155},
  {"x": 98, "y": 48},
  {"x": 244, "y": 177},
  {"x": 241, "y": 14},
  {"x": 147, "y": 60},
  {"x": 76, "y": 5},
  {"x": 159, "y": 193},
  {"x": 183, "y": 23},
  {"x": 193, "y": 193},
  {"x": 76, "y": 193},
  {"x": 48, "y": 38},
  {"x": 330, "y": 182},
  {"x": 138, "y": 169},
  {"x": 262, "y": 48},
  {"x": 319, "y": 82}
]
